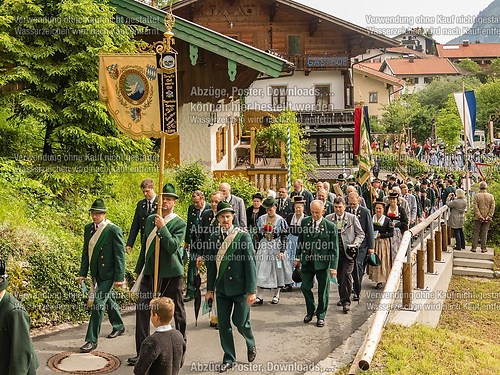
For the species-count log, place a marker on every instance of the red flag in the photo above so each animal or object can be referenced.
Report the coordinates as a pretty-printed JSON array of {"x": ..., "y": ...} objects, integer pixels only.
[{"x": 358, "y": 114}]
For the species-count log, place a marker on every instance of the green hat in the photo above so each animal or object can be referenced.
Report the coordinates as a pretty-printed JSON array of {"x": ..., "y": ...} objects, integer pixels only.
[
  {"x": 169, "y": 191},
  {"x": 268, "y": 202},
  {"x": 3, "y": 277},
  {"x": 98, "y": 205},
  {"x": 222, "y": 207}
]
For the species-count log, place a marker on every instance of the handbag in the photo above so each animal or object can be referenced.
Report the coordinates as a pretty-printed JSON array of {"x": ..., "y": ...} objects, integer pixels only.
[{"x": 373, "y": 260}]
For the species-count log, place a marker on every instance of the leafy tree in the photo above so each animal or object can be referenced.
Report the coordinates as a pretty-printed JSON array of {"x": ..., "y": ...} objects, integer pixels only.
[
  {"x": 48, "y": 57},
  {"x": 488, "y": 101},
  {"x": 449, "y": 126},
  {"x": 470, "y": 66},
  {"x": 493, "y": 70},
  {"x": 435, "y": 94},
  {"x": 277, "y": 132}
]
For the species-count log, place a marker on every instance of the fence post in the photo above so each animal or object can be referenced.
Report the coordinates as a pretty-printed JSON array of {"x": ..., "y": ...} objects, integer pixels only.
[
  {"x": 444, "y": 229},
  {"x": 430, "y": 255},
  {"x": 420, "y": 268},
  {"x": 252, "y": 147},
  {"x": 406, "y": 285},
  {"x": 438, "y": 242}
]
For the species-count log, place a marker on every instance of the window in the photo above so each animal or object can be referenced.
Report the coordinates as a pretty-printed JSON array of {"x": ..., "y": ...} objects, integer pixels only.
[
  {"x": 373, "y": 97},
  {"x": 412, "y": 81},
  {"x": 322, "y": 97},
  {"x": 294, "y": 48},
  {"x": 278, "y": 97},
  {"x": 221, "y": 141},
  {"x": 428, "y": 79}
]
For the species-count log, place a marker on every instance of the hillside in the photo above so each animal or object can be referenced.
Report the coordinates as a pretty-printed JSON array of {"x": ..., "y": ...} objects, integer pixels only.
[{"x": 485, "y": 28}]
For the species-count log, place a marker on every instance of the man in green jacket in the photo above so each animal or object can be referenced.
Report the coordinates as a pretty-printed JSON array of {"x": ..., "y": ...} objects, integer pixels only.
[
  {"x": 231, "y": 274},
  {"x": 18, "y": 356},
  {"x": 104, "y": 253},
  {"x": 169, "y": 229},
  {"x": 318, "y": 254}
]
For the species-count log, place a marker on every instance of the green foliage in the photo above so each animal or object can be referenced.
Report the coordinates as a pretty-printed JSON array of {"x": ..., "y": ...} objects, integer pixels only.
[
  {"x": 17, "y": 137},
  {"x": 488, "y": 101},
  {"x": 49, "y": 53},
  {"x": 389, "y": 163},
  {"x": 449, "y": 127},
  {"x": 435, "y": 94},
  {"x": 277, "y": 132},
  {"x": 470, "y": 66},
  {"x": 191, "y": 176}
]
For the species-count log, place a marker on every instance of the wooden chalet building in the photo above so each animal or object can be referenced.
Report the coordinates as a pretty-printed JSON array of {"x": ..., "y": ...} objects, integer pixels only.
[
  {"x": 210, "y": 66},
  {"x": 320, "y": 45}
]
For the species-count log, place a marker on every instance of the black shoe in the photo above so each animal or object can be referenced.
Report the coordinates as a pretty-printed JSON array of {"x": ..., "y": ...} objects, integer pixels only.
[
  {"x": 320, "y": 323},
  {"x": 188, "y": 299},
  {"x": 287, "y": 288},
  {"x": 457, "y": 248},
  {"x": 226, "y": 366},
  {"x": 346, "y": 308},
  {"x": 308, "y": 318},
  {"x": 88, "y": 347},
  {"x": 116, "y": 333},
  {"x": 251, "y": 354},
  {"x": 132, "y": 360},
  {"x": 339, "y": 303},
  {"x": 258, "y": 301},
  {"x": 355, "y": 298},
  {"x": 379, "y": 286}
]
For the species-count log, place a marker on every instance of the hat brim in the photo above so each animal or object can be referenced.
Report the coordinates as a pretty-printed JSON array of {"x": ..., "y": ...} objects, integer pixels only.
[
  {"x": 98, "y": 210},
  {"x": 171, "y": 195},
  {"x": 299, "y": 202},
  {"x": 268, "y": 206},
  {"x": 224, "y": 210}
]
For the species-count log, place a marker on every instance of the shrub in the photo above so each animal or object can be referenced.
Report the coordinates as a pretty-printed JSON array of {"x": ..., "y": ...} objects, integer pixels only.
[
  {"x": 191, "y": 176},
  {"x": 240, "y": 186}
]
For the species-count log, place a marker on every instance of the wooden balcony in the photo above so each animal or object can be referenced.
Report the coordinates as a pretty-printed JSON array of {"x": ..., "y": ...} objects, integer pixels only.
[{"x": 330, "y": 121}]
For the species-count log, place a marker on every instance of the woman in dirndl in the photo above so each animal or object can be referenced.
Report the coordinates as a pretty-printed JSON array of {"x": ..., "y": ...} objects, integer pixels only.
[
  {"x": 383, "y": 233},
  {"x": 399, "y": 221},
  {"x": 273, "y": 271},
  {"x": 294, "y": 221}
]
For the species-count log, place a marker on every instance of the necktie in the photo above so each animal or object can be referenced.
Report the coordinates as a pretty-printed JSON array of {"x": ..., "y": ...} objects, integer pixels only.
[
  {"x": 149, "y": 208},
  {"x": 280, "y": 206},
  {"x": 93, "y": 230}
]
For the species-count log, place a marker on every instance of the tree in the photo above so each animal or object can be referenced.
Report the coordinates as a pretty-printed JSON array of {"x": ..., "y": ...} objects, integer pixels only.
[
  {"x": 470, "y": 66},
  {"x": 449, "y": 126},
  {"x": 48, "y": 55},
  {"x": 488, "y": 101}
]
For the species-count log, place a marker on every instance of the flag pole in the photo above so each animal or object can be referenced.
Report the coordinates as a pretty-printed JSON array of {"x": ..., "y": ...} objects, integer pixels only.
[
  {"x": 163, "y": 46},
  {"x": 467, "y": 187}
]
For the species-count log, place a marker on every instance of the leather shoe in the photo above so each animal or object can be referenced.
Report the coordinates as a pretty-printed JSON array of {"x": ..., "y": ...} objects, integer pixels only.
[
  {"x": 346, "y": 308},
  {"x": 308, "y": 318},
  {"x": 320, "y": 323},
  {"x": 187, "y": 299},
  {"x": 116, "y": 333},
  {"x": 355, "y": 298},
  {"x": 286, "y": 289},
  {"x": 132, "y": 360},
  {"x": 226, "y": 366},
  {"x": 251, "y": 354},
  {"x": 339, "y": 303},
  {"x": 258, "y": 302},
  {"x": 88, "y": 347}
]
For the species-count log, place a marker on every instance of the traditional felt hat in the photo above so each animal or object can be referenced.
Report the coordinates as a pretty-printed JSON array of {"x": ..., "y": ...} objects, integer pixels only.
[
  {"x": 258, "y": 196},
  {"x": 98, "y": 206},
  {"x": 393, "y": 194},
  {"x": 268, "y": 202},
  {"x": 169, "y": 191},
  {"x": 3, "y": 277},
  {"x": 376, "y": 180},
  {"x": 298, "y": 199},
  {"x": 379, "y": 201},
  {"x": 297, "y": 275},
  {"x": 341, "y": 177},
  {"x": 223, "y": 207}
]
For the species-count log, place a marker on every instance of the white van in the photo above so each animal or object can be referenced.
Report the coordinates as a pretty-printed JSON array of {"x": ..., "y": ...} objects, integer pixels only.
[{"x": 479, "y": 140}]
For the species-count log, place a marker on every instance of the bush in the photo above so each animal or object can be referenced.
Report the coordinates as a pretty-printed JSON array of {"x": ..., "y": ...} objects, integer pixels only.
[{"x": 191, "y": 176}]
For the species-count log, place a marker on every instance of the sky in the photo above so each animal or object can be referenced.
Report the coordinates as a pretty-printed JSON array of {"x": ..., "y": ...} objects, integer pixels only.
[{"x": 447, "y": 18}]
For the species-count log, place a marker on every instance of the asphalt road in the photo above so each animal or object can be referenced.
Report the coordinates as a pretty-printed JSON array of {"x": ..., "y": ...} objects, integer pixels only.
[{"x": 285, "y": 345}]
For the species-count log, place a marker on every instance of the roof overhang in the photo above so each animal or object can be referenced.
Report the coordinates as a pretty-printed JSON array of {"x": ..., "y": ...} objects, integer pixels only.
[{"x": 205, "y": 38}]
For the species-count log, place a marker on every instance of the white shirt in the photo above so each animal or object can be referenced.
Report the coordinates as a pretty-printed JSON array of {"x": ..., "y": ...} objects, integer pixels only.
[
  {"x": 164, "y": 328},
  {"x": 1, "y": 297}
]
